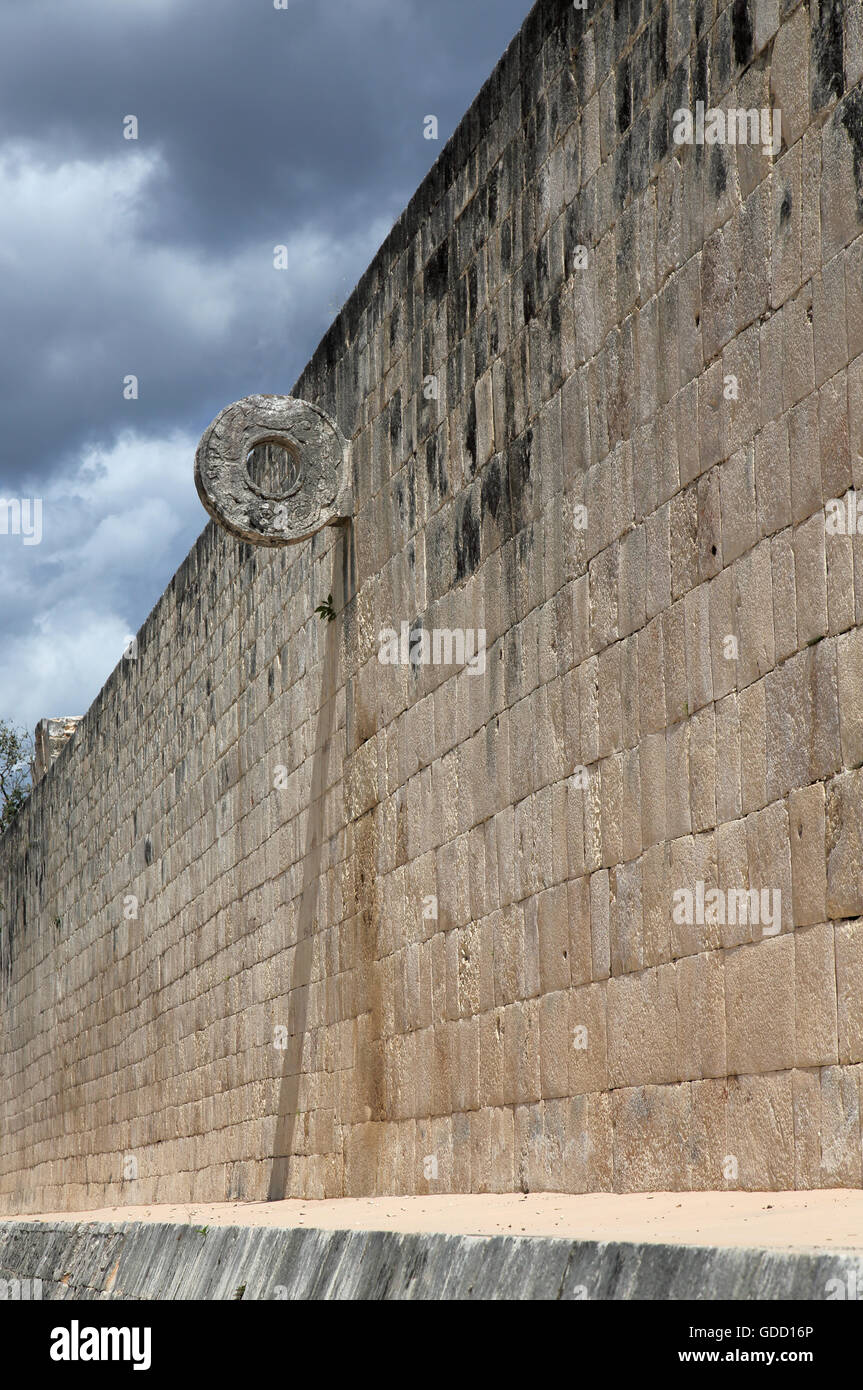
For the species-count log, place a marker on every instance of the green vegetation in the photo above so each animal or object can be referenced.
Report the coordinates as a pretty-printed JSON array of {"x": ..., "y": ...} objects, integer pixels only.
[{"x": 16, "y": 750}]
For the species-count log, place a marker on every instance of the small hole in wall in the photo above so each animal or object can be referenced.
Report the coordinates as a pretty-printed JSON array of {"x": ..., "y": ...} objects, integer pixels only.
[
  {"x": 697, "y": 320},
  {"x": 713, "y": 550}
]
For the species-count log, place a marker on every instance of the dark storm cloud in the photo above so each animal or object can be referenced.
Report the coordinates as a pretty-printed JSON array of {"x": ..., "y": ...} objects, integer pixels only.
[
  {"x": 154, "y": 258},
  {"x": 311, "y": 112},
  {"x": 266, "y": 123}
]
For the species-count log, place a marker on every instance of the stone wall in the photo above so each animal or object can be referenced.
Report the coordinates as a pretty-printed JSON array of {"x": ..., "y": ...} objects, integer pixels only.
[{"x": 600, "y": 387}]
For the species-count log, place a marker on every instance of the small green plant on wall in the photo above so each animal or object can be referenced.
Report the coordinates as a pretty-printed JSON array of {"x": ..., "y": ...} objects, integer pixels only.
[{"x": 325, "y": 609}]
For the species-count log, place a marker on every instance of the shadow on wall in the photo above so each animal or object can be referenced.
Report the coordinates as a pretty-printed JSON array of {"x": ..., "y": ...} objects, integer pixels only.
[{"x": 298, "y": 998}]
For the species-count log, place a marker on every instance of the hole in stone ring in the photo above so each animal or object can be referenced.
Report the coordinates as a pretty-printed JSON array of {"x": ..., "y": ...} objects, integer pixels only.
[{"x": 274, "y": 468}]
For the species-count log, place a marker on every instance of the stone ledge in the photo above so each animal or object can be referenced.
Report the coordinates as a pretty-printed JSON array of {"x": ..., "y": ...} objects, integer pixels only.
[{"x": 161, "y": 1261}]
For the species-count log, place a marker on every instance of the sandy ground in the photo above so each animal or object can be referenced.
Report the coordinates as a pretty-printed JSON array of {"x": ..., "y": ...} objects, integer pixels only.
[{"x": 831, "y": 1220}]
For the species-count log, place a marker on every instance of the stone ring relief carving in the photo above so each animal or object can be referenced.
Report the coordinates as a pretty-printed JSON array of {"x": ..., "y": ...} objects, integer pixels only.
[{"x": 316, "y": 492}]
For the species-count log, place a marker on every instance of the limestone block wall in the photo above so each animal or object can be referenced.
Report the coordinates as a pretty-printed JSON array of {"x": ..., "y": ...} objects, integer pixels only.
[{"x": 283, "y": 919}]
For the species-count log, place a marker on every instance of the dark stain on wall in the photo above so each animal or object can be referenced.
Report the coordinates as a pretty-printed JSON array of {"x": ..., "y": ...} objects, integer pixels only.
[
  {"x": 700, "y": 90},
  {"x": 850, "y": 113},
  {"x": 827, "y": 51},
  {"x": 519, "y": 458},
  {"x": 470, "y": 435},
  {"x": 720, "y": 52},
  {"x": 494, "y": 505},
  {"x": 717, "y": 171},
  {"x": 457, "y": 311},
  {"x": 741, "y": 32},
  {"x": 396, "y": 423},
  {"x": 506, "y": 244},
  {"x": 466, "y": 538},
  {"x": 437, "y": 272},
  {"x": 623, "y": 95},
  {"x": 528, "y": 298},
  {"x": 659, "y": 46}
]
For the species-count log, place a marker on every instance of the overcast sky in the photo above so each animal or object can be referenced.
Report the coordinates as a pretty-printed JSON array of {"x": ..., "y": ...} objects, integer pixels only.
[{"x": 154, "y": 258}]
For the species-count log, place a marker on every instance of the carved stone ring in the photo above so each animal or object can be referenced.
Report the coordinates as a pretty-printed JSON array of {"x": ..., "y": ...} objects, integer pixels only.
[{"x": 317, "y": 492}]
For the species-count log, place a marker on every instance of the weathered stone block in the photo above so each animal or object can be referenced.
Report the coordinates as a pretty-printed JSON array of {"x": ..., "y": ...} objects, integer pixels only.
[{"x": 760, "y": 1004}]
